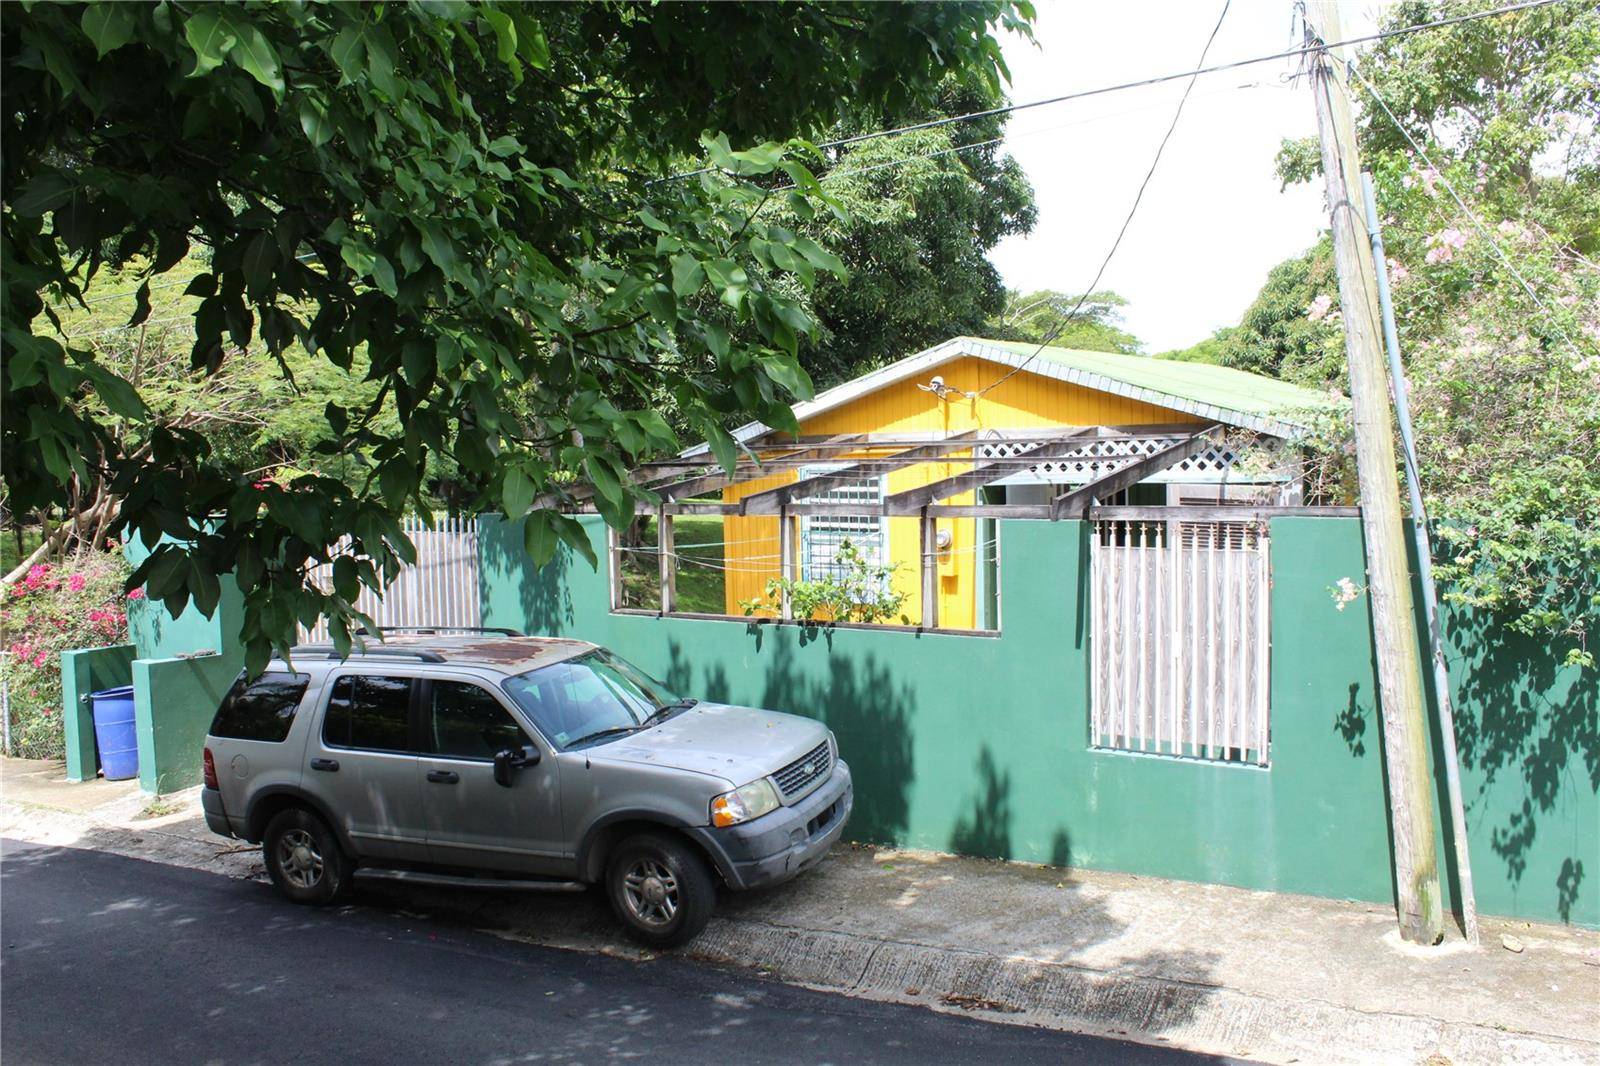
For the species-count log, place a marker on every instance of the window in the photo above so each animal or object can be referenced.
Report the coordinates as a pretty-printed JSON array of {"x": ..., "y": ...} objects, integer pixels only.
[
  {"x": 369, "y": 712},
  {"x": 262, "y": 709},
  {"x": 467, "y": 722},
  {"x": 574, "y": 700},
  {"x": 822, "y": 535}
]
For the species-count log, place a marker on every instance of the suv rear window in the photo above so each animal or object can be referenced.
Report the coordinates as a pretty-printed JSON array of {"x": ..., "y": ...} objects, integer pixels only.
[{"x": 262, "y": 709}]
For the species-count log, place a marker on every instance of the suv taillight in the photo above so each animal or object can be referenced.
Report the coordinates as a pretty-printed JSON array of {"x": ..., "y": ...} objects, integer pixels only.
[{"x": 209, "y": 770}]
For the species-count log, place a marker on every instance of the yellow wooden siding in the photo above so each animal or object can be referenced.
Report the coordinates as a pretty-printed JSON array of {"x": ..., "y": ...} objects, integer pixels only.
[
  {"x": 750, "y": 551},
  {"x": 1023, "y": 401}
]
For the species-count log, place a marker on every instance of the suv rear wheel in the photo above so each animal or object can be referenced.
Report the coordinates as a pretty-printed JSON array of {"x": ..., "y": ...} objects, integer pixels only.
[
  {"x": 304, "y": 859},
  {"x": 660, "y": 888}
]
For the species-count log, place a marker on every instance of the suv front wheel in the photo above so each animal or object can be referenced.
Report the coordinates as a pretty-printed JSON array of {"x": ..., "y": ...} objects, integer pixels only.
[
  {"x": 660, "y": 888},
  {"x": 303, "y": 857}
]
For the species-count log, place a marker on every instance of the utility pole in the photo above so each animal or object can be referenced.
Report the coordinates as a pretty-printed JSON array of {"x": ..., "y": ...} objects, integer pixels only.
[{"x": 1405, "y": 735}]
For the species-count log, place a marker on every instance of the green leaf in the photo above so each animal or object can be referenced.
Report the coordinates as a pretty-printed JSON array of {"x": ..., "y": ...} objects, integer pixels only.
[
  {"x": 349, "y": 53},
  {"x": 383, "y": 274},
  {"x": 121, "y": 397},
  {"x": 108, "y": 26},
  {"x": 687, "y": 274},
  {"x": 437, "y": 245},
  {"x": 516, "y": 492},
  {"x": 539, "y": 538},
  {"x": 210, "y": 36},
  {"x": 531, "y": 43},
  {"x": 44, "y": 193},
  {"x": 260, "y": 257},
  {"x": 314, "y": 120},
  {"x": 504, "y": 146},
  {"x": 345, "y": 582},
  {"x": 255, "y": 55},
  {"x": 505, "y": 34},
  {"x": 141, "y": 305},
  {"x": 572, "y": 533}
]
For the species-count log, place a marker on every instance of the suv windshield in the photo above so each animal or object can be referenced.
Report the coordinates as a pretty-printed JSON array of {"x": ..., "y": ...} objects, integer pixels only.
[{"x": 589, "y": 698}]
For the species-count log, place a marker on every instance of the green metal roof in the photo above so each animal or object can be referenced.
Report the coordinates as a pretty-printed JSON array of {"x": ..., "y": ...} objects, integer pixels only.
[{"x": 1236, "y": 391}]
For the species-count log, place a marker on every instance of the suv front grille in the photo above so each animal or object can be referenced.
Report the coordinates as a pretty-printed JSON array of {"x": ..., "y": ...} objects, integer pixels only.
[{"x": 798, "y": 775}]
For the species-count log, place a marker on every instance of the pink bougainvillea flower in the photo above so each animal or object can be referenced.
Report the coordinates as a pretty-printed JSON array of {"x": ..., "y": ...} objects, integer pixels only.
[
  {"x": 1318, "y": 309},
  {"x": 136, "y": 594},
  {"x": 76, "y": 582}
]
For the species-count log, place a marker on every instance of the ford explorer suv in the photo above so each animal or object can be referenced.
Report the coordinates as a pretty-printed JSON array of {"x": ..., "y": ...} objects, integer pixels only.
[{"x": 475, "y": 759}]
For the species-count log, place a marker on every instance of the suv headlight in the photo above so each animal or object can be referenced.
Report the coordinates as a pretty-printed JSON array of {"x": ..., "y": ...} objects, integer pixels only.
[{"x": 743, "y": 804}]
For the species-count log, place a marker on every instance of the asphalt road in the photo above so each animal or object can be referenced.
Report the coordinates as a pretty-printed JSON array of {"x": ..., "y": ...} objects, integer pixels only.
[{"x": 108, "y": 959}]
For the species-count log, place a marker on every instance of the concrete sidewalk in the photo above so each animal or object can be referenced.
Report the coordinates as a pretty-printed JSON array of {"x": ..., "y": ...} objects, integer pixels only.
[{"x": 1277, "y": 978}]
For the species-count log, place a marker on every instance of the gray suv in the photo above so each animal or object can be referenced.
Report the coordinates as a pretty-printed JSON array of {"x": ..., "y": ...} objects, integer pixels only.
[{"x": 502, "y": 761}]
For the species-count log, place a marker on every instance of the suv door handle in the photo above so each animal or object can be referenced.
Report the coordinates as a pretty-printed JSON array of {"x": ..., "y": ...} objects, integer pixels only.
[
  {"x": 325, "y": 764},
  {"x": 443, "y": 777}
]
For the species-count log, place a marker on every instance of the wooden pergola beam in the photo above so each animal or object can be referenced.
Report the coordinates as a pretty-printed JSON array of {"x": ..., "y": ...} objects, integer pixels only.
[
  {"x": 772, "y": 500},
  {"x": 743, "y": 471},
  {"x": 912, "y": 501},
  {"x": 1076, "y": 502}
]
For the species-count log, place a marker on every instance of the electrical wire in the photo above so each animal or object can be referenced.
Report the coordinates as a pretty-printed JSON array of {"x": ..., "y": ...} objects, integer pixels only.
[
  {"x": 1472, "y": 217},
  {"x": 1126, "y": 222},
  {"x": 1399, "y": 31}
]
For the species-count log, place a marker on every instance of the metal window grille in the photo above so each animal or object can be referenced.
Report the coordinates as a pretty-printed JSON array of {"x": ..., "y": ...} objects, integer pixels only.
[
  {"x": 822, "y": 536},
  {"x": 1180, "y": 639}
]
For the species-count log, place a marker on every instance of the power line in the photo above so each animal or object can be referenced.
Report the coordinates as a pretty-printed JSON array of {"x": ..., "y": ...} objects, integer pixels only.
[
  {"x": 1126, "y": 222},
  {"x": 1477, "y": 224},
  {"x": 1399, "y": 31}
]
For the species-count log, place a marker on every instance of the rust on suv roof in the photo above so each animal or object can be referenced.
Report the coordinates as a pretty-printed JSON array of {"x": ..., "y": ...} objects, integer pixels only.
[{"x": 514, "y": 654}]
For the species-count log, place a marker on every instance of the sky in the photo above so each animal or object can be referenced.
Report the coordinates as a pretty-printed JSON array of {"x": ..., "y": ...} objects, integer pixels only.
[{"x": 1213, "y": 221}]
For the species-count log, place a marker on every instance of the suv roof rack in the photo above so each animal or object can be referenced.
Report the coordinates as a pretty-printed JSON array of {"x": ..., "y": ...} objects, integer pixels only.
[
  {"x": 328, "y": 651},
  {"x": 504, "y": 631}
]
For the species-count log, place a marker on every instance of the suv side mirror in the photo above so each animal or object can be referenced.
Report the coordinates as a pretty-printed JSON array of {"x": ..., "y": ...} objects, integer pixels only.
[{"x": 511, "y": 760}]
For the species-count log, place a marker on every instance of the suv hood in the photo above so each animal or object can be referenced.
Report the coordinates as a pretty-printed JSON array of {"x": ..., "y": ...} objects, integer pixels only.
[{"x": 739, "y": 744}]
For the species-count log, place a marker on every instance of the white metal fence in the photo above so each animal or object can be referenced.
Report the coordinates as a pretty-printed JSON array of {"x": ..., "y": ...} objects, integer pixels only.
[
  {"x": 1179, "y": 639},
  {"x": 440, "y": 589}
]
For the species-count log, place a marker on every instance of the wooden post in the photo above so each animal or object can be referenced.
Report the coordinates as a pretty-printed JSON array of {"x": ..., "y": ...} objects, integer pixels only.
[
  {"x": 1388, "y": 577},
  {"x": 930, "y": 571},
  {"x": 667, "y": 555},
  {"x": 785, "y": 560},
  {"x": 614, "y": 556}
]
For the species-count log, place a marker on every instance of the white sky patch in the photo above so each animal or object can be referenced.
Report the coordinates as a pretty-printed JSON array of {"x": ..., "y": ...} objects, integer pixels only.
[{"x": 1213, "y": 220}]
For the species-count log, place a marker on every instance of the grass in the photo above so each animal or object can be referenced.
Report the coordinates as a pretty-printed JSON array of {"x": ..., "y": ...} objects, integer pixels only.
[{"x": 701, "y": 588}]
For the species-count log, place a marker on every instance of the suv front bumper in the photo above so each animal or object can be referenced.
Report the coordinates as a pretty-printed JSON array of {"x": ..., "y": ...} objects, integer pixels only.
[{"x": 781, "y": 843}]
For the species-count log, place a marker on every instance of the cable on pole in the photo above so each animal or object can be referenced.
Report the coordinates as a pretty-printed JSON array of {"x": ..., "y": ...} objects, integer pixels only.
[{"x": 1399, "y": 31}]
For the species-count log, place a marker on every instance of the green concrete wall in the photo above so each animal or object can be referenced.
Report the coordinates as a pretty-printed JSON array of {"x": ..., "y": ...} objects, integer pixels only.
[
  {"x": 173, "y": 703},
  {"x": 82, "y": 672},
  {"x": 158, "y": 635},
  {"x": 979, "y": 744}
]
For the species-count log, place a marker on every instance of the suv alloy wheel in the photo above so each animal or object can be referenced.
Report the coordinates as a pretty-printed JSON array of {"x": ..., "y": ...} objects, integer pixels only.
[
  {"x": 303, "y": 858},
  {"x": 660, "y": 888}
]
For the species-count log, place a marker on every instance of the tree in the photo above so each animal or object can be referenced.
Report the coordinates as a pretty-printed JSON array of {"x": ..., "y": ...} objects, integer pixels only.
[
  {"x": 919, "y": 213},
  {"x": 476, "y": 200},
  {"x": 1092, "y": 323},
  {"x": 1504, "y": 384}
]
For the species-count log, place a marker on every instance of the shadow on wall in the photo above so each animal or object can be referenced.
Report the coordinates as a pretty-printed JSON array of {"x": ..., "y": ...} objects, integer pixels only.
[
  {"x": 869, "y": 713},
  {"x": 984, "y": 829},
  {"x": 1511, "y": 719},
  {"x": 542, "y": 594}
]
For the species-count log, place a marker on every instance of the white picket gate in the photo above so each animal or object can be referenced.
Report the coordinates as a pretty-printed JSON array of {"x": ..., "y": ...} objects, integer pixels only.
[
  {"x": 1179, "y": 642},
  {"x": 439, "y": 589}
]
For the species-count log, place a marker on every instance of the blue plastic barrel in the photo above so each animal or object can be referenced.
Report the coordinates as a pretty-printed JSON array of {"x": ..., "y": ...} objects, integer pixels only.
[{"x": 114, "y": 732}]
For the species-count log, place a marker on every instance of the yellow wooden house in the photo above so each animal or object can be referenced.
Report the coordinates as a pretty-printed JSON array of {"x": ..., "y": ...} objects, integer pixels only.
[{"x": 891, "y": 459}]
